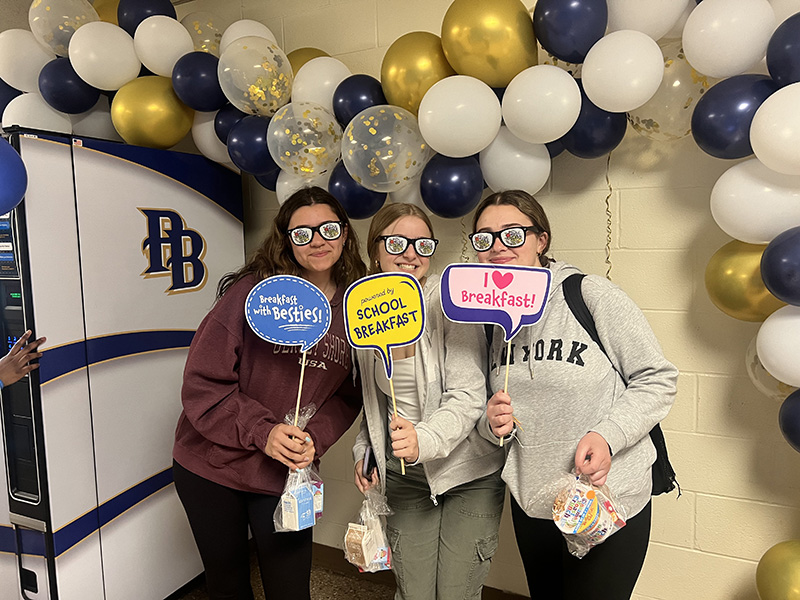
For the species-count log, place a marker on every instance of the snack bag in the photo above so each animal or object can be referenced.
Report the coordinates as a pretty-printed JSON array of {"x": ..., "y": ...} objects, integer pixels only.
[
  {"x": 365, "y": 543},
  {"x": 586, "y": 514},
  {"x": 302, "y": 498}
]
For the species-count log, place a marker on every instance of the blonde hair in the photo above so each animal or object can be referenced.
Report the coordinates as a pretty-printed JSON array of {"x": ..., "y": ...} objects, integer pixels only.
[{"x": 381, "y": 221}]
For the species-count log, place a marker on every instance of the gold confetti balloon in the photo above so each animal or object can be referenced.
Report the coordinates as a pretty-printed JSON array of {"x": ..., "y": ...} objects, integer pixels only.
[
  {"x": 255, "y": 76},
  {"x": 297, "y": 58},
  {"x": 667, "y": 115},
  {"x": 491, "y": 41},
  {"x": 206, "y": 30},
  {"x": 762, "y": 379},
  {"x": 53, "y": 22},
  {"x": 304, "y": 139},
  {"x": 383, "y": 149},
  {"x": 146, "y": 112},
  {"x": 411, "y": 65},
  {"x": 734, "y": 284}
]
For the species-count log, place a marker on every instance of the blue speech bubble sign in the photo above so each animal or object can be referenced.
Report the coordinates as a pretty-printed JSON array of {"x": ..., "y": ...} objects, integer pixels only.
[
  {"x": 289, "y": 311},
  {"x": 508, "y": 296}
]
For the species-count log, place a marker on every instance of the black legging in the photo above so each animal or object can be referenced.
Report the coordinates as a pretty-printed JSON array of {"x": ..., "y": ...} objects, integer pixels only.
[
  {"x": 608, "y": 572},
  {"x": 219, "y": 517}
]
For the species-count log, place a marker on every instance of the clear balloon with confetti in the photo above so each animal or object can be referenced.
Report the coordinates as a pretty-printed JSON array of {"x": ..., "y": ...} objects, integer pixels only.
[
  {"x": 53, "y": 22},
  {"x": 304, "y": 139}
]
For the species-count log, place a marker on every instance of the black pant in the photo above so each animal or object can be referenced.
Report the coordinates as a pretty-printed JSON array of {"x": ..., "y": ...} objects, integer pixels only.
[
  {"x": 219, "y": 518},
  {"x": 608, "y": 572}
]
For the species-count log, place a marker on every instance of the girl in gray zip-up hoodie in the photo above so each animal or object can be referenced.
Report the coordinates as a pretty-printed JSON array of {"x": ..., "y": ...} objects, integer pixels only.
[
  {"x": 447, "y": 506},
  {"x": 573, "y": 410}
]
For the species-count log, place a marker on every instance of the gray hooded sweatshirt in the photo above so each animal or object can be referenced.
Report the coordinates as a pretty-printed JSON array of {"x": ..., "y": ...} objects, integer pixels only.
[
  {"x": 450, "y": 362},
  {"x": 562, "y": 386}
]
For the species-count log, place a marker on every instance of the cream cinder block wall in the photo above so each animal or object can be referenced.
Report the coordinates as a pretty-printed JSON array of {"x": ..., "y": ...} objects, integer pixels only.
[{"x": 740, "y": 490}]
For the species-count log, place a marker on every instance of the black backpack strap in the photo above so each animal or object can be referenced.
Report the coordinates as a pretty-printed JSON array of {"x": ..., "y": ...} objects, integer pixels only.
[{"x": 574, "y": 298}]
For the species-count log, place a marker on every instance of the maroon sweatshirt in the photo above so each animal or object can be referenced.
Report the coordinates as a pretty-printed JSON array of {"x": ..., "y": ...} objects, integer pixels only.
[{"x": 237, "y": 387}]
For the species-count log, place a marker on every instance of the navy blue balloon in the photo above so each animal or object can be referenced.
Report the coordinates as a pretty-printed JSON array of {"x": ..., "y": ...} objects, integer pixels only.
[
  {"x": 357, "y": 201},
  {"x": 269, "y": 180},
  {"x": 596, "y": 132},
  {"x": 451, "y": 187},
  {"x": 568, "y": 28},
  {"x": 226, "y": 118},
  {"x": 132, "y": 12},
  {"x": 62, "y": 89},
  {"x": 789, "y": 419},
  {"x": 14, "y": 177},
  {"x": 354, "y": 94},
  {"x": 7, "y": 94},
  {"x": 780, "y": 266},
  {"x": 554, "y": 148},
  {"x": 195, "y": 81},
  {"x": 783, "y": 52},
  {"x": 499, "y": 92},
  {"x": 722, "y": 117},
  {"x": 247, "y": 145}
]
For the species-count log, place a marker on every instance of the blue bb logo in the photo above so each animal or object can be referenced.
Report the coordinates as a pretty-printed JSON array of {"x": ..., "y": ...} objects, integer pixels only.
[
  {"x": 289, "y": 311},
  {"x": 172, "y": 249}
]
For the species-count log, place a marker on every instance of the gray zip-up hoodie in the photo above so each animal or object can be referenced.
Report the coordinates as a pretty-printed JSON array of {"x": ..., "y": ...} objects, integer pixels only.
[
  {"x": 450, "y": 362},
  {"x": 563, "y": 386}
]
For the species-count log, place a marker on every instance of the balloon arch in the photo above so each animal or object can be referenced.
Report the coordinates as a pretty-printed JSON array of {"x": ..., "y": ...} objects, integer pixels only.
[{"x": 456, "y": 112}]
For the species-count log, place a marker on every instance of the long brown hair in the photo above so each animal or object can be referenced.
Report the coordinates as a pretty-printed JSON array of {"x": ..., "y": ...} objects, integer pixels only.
[
  {"x": 527, "y": 205},
  {"x": 383, "y": 219},
  {"x": 275, "y": 255}
]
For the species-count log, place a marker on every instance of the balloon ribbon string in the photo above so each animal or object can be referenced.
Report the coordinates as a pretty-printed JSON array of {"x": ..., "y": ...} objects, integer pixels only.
[{"x": 394, "y": 407}]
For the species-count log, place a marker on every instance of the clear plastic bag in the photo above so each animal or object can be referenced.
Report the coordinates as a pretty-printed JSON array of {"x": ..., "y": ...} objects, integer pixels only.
[
  {"x": 586, "y": 514},
  {"x": 365, "y": 542},
  {"x": 301, "y": 502}
]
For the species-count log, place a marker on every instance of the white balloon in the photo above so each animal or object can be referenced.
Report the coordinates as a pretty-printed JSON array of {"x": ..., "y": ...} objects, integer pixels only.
[
  {"x": 245, "y": 28},
  {"x": 459, "y": 116},
  {"x": 205, "y": 138},
  {"x": 103, "y": 55},
  {"x": 754, "y": 204},
  {"x": 652, "y": 17},
  {"x": 509, "y": 163},
  {"x": 159, "y": 42},
  {"x": 541, "y": 104},
  {"x": 30, "y": 110},
  {"x": 778, "y": 344},
  {"x": 289, "y": 183},
  {"x": 21, "y": 59},
  {"x": 677, "y": 29},
  {"x": 316, "y": 81},
  {"x": 775, "y": 131},
  {"x": 784, "y": 9},
  {"x": 622, "y": 71},
  {"x": 96, "y": 122},
  {"x": 722, "y": 38}
]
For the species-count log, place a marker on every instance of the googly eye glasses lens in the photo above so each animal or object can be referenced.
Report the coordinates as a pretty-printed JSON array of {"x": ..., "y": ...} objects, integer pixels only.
[
  {"x": 300, "y": 236},
  {"x": 397, "y": 244},
  {"x": 513, "y": 237}
]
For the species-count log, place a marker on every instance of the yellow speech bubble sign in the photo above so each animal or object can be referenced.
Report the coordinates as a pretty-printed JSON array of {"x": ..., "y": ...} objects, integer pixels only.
[{"x": 384, "y": 311}]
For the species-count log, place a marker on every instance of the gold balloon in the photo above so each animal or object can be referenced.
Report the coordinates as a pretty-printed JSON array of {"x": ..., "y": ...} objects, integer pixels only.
[
  {"x": 492, "y": 41},
  {"x": 411, "y": 65},
  {"x": 107, "y": 10},
  {"x": 778, "y": 572},
  {"x": 297, "y": 58},
  {"x": 146, "y": 112},
  {"x": 734, "y": 284}
]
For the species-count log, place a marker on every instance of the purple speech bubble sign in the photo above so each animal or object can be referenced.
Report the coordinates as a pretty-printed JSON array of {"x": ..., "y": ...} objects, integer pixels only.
[{"x": 508, "y": 296}]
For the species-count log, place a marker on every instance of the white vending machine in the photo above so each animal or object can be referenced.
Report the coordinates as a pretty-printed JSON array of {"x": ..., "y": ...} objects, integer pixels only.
[{"x": 114, "y": 256}]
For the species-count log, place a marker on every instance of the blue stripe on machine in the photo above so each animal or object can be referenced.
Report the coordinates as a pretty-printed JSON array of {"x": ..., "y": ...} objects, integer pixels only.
[
  {"x": 197, "y": 172},
  {"x": 64, "y": 359},
  {"x": 32, "y": 541}
]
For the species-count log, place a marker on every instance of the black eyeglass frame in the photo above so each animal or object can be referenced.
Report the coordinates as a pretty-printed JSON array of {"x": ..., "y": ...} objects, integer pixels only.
[
  {"x": 317, "y": 229},
  {"x": 498, "y": 234},
  {"x": 409, "y": 241}
]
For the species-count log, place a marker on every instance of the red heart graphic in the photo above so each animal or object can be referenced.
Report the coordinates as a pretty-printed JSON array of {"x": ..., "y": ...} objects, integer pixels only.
[{"x": 502, "y": 280}]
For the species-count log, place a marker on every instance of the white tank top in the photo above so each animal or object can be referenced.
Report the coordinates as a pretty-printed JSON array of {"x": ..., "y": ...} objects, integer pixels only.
[{"x": 405, "y": 387}]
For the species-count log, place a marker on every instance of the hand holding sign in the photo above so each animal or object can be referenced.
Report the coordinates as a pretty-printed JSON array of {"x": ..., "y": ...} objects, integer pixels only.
[
  {"x": 508, "y": 296},
  {"x": 289, "y": 311},
  {"x": 382, "y": 312}
]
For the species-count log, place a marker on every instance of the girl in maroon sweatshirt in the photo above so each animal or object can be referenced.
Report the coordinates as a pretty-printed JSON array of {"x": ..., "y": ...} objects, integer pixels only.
[{"x": 232, "y": 449}]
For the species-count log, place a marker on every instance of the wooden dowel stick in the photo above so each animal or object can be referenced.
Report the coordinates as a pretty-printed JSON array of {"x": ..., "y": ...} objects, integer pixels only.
[
  {"x": 300, "y": 389},
  {"x": 394, "y": 408},
  {"x": 508, "y": 364}
]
